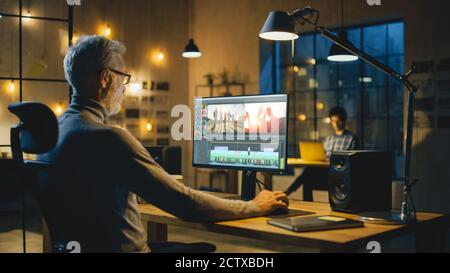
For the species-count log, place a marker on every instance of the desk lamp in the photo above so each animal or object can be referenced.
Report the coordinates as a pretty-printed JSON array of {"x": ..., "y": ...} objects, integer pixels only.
[{"x": 281, "y": 26}]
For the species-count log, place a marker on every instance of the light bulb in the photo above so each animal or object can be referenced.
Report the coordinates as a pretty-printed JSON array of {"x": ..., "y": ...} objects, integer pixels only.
[
  {"x": 12, "y": 86},
  {"x": 320, "y": 106},
  {"x": 75, "y": 38},
  {"x": 58, "y": 109},
  {"x": 160, "y": 56},
  {"x": 301, "y": 117},
  {"x": 148, "y": 126},
  {"x": 107, "y": 31},
  {"x": 27, "y": 17}
]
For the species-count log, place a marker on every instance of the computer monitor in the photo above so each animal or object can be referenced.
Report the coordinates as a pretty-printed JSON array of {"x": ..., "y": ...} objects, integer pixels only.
[{"x": 248, "y": 133}]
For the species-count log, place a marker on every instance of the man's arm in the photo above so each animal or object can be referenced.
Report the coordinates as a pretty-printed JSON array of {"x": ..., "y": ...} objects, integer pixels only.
[{"x": 153, "y": 184}]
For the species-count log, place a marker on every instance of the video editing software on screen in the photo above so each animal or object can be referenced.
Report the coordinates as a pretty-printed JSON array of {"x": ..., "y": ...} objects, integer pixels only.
[{"x": 241, "y": 132}]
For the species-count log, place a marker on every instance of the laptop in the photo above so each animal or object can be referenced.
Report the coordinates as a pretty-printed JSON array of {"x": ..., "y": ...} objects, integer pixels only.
[
  {"x": 315, "y": 223},
  {"x": 312, "y": 151}
]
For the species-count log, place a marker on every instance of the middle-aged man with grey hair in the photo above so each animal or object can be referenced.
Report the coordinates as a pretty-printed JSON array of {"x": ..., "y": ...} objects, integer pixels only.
[{"x": 102, "y": 168}]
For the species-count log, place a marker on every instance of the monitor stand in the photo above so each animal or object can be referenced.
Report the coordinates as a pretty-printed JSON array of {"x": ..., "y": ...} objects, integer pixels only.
[{"x": 248, "y": 186}]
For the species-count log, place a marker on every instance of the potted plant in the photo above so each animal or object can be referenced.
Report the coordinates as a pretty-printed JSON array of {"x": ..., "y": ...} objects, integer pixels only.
[{"x": 209, "y": 78}]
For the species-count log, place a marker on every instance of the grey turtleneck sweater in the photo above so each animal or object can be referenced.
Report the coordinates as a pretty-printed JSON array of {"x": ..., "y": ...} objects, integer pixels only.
[{"x": 102, "y": 169}]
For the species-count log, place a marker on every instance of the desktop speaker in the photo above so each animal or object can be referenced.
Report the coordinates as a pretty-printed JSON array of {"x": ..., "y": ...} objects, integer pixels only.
[{"x": 360, "y": 181}]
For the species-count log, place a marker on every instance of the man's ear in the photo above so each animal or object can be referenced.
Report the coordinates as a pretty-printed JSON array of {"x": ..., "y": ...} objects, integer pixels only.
[{"x": 105, "y": 78}]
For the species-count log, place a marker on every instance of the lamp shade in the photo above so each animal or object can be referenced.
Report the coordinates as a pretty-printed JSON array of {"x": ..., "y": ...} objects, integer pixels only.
[
  {"x": 279, "y": 26},
  {"x": 191, "y": 50},
  {"x": 339, "y": 54}
]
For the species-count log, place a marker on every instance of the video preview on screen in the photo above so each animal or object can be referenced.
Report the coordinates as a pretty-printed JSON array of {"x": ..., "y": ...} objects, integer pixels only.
[{"x": 245, "y": 132}]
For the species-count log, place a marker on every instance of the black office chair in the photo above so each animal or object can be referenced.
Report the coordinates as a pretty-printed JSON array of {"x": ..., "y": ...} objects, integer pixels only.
[
  {"x": 26, "y": 137},
  {"x": 37, "y": 133}
]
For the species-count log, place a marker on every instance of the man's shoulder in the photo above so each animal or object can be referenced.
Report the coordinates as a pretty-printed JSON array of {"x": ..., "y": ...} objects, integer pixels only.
[
  {"x": 122, "y": 135},
  {"x": 93, "y": 133},
  {"x": 110, "y": 134}
]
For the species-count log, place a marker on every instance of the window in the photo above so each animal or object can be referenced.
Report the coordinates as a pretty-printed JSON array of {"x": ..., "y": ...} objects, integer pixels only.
[
  {"x": 373, "y": 100},
  {"x": 34, "y": 39}
]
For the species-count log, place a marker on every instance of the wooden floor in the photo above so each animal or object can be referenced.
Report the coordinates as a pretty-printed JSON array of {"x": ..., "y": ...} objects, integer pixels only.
[{"x": 11, "y": 232}]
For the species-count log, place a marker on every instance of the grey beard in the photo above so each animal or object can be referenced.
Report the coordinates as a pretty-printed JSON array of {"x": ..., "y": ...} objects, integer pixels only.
[{"x": 113, "y": 109}]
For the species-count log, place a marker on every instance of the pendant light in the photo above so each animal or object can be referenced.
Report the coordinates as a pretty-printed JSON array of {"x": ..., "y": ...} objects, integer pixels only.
[
  {"x": 191, "y": 49},
  {"x": 337, "y": 53}
]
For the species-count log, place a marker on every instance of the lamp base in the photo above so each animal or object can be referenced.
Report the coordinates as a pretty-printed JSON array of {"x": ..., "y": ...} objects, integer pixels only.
[{"x": 386, "y": 218}]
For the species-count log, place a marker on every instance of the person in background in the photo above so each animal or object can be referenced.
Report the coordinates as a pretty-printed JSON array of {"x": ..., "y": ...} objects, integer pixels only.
[{"x": 341, "y": 140}]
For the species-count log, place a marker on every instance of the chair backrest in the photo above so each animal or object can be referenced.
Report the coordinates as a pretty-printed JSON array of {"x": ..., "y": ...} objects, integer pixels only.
[{"x": 37, "y": 132}]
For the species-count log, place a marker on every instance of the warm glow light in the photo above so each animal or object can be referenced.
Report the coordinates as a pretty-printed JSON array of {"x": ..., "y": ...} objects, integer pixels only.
[
  {"x": 313, "y": 83},
  {"x": 278, "y": 36},
  {"x": 160, "y": 56},
  {"x": 58, "y": 109},
  {"x": 11, "y": 86},
  {"x": 327, "y": 120},
  {"x": 301, "y": 117},
  {"x": 302, "y": 72},
  {"x": 27, "y": 17},
  {"x": 312, "y": 61},
  {"x": 75, "y": 38},
  {"x": 296, "y": 69},
  {"x": 320, "y": 106},
  {"x": 148, "y": 126},
  {"x": 107, "y": 32}
]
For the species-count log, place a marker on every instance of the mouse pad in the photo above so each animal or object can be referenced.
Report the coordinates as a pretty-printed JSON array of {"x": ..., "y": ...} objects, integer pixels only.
[{"x": 290, "y": 213}]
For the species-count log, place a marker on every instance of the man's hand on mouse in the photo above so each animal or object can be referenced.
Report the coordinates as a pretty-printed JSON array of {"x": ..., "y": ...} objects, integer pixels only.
[{"x": 268, "y": 201}]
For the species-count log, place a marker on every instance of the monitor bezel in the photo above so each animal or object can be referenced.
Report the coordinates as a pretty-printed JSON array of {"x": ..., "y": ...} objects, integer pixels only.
[{"x": 253, "y": 169}]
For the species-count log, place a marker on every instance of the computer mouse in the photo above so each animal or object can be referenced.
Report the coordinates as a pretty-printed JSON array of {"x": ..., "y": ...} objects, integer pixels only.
[{"x": 279, "y": 211}]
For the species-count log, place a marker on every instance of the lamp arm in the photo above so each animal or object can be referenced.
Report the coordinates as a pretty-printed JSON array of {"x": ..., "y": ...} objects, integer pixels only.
[
  {"x": 367, "y": 58},
  {"x": 404, "y": 79}
]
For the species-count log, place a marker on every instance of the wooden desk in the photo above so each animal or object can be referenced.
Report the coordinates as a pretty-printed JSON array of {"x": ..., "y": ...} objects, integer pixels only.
[
  {"x": 300, "y": 163},
  {"x": 430, "y": 230}
]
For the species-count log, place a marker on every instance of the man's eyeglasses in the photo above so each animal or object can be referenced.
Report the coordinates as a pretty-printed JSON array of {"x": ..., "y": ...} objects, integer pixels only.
[{"x": 126, "y": 77}]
